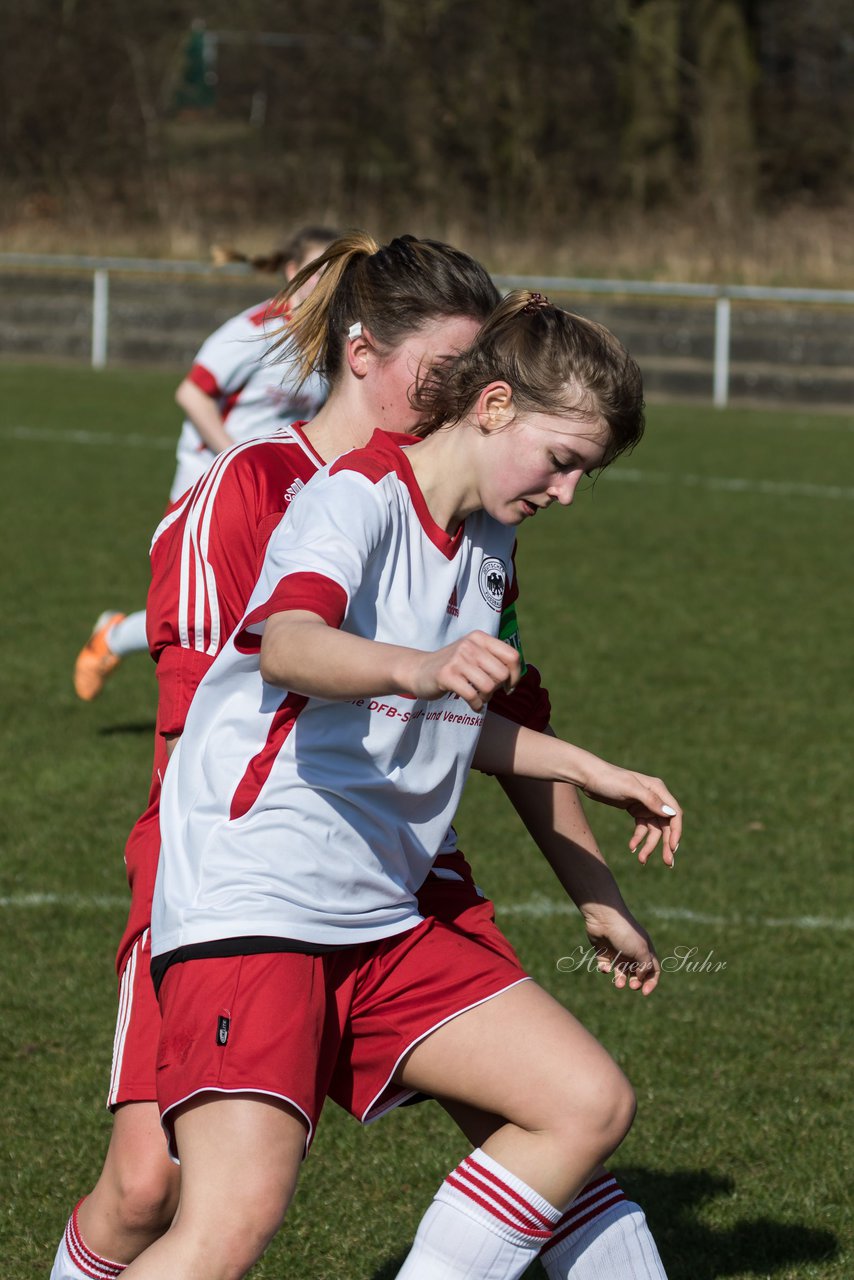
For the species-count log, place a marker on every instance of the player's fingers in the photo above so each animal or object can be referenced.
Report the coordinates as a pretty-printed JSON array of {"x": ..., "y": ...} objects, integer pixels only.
[
  {"x": 459, "y": 682},
  {"x": 651, "y": 973},
  {"x": 491, "y": 672},
  {"x": 653, "y": 836},
  {"x": 644, "y": 972},
  {"x": 653, "y": 794},
  {"x": 638, "y": 836},
  {"x": 504, "y": 653},
  {"x": 665, "y": 804},
  {"x": 671, "y": 827},
  {"x": 650, "y": 982},
  {"x": 474, "y": 685}
]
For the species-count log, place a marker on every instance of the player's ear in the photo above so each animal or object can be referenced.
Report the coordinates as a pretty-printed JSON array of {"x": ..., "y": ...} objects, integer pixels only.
[
  {"x": 494, "y": 407},
  {"x": 359, "y": 348}
]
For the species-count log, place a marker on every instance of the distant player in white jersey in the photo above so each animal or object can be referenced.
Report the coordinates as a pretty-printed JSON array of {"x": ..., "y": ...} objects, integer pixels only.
[
  {"x": 321, "y": 758},
  {"x": 234, "y": 391}
]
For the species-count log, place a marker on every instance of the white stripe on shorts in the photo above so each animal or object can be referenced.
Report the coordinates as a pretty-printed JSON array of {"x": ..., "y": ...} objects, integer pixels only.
[{"x": 123, "y": 1017}]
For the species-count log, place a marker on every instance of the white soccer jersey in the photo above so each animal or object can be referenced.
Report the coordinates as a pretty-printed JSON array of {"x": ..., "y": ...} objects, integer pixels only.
[
  {"x": 315, "y": 820},
  {"x": 256, "y": 395}
]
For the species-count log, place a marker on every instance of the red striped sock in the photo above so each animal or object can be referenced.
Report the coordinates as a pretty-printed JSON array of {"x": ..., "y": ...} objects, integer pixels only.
[
  {"x": 75, "y": 1261},
  {"x": 484, "y": 1222},
  {"x": 598, "y": 1197},
  {"x": 602, "y": 1236}
]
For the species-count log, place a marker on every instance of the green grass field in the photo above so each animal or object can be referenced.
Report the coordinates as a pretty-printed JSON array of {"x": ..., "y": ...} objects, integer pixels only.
[{"x": 692, "y": 616}]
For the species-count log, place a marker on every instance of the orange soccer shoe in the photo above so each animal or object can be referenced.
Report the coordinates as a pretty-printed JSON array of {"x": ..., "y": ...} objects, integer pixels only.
[{"x": 95, "y": 661}]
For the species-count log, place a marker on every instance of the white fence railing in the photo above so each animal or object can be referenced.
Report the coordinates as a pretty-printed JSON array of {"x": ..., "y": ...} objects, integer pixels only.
[{"x": 721, "y": 295}]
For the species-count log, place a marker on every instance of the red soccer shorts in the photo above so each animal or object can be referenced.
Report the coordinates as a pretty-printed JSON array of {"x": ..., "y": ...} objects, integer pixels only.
[
  {"x": 133, "y": 1076},
  {"x": 297, "y": 1027},
  {"x": 450, "y": 894}
]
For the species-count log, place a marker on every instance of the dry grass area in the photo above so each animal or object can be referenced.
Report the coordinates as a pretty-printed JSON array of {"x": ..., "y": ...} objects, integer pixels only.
[{"x": 796, "y": 246}]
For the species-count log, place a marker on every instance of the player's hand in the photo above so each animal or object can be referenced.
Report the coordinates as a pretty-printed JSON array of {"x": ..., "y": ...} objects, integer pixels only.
[
  {"x": 623, "y": 948},
  {"x": 657, "y": 813},
  {"x": 473, "y": 668}
]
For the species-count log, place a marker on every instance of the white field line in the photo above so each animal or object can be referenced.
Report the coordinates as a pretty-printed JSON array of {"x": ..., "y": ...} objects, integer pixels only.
[
  {"x": 733, "y": 484},
  {"x": 536, "y": 908},
  {"x": 630, "y": 475},
  {"x": 77, "y": 901},
  {"x": 51, "y": 435},
  {"x": 540, "y": 908}
]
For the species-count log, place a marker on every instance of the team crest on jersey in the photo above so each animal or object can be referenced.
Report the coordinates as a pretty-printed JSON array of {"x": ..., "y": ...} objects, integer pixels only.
[{"x": 492, "y": 580}]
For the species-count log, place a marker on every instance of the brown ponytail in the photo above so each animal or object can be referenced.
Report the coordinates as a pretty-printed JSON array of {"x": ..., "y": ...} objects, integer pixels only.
[{"x": 392, "y": 290}]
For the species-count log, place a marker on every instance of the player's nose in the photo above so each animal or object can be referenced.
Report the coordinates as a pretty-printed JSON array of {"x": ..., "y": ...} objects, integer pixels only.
[{"x": 563, "y": 489}]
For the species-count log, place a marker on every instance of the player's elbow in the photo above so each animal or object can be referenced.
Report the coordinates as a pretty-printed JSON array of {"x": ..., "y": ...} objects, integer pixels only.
[
  {"x": 273, "y": 654},
  {"x": 270, "y": 667}
]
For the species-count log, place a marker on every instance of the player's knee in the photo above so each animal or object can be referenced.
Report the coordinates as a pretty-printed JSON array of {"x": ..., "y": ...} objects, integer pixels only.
[
  {"x": 612, "y": 1107},
  {"x": 242, "y": 1238},
  {"x": 598, "y": 1113},
  {"x": 147, "y": 1195}
]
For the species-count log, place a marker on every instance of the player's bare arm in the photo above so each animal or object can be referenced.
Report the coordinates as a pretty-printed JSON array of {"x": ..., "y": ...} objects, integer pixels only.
[
  {"x": 556, "y": 822},
  {"x": 506, "y": 748},
  {"x": 204, "y": 414},
  {"x": 299, "y": 651}
]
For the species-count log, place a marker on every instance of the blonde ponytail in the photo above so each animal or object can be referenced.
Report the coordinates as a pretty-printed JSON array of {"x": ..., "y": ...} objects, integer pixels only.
[
  {"x": 268, "y": 264},
  {"x": 308, "y": 328},
  {"x": 294, "y": 250}
]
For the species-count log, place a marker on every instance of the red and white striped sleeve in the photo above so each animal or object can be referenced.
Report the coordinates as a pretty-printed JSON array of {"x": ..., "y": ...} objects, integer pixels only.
[
  {"x": 316, "y": 559},
  {"x": 205, "y": 559}
]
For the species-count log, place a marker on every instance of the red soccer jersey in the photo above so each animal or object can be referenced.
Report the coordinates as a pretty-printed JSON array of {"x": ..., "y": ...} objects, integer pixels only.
[
  {"x": 204, "y": 562},
  {"x": 205, "y": 558}
]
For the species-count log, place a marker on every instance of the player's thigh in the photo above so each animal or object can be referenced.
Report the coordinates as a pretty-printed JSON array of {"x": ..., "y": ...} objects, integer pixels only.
[
  {"x": 523, "y": 1056},
  {"x": 240, "y": 1159}
]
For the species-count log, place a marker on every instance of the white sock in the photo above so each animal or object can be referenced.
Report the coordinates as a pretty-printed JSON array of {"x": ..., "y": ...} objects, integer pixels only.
[
  {"x": 74, "y": 1261},
  {"x": 602, "y": 1236},
  {"x": 484, "y": 1222},
  {"x": 128, "y": 636}
]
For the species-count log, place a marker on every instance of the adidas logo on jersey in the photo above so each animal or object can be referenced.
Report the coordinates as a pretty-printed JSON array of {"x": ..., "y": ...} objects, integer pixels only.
[
  {"x": 293, "y": 489},
  {"x": 453, "y": 606}
]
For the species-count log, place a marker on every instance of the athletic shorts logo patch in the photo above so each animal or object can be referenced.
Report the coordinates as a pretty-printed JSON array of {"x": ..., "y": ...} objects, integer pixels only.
[
  {"x": 491, "y": 580},
  {"x": 222, "y": 1027}
]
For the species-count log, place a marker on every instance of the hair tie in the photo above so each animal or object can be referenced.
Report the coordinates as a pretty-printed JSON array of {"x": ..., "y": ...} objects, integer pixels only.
[{"x": 536, "y": 302}]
